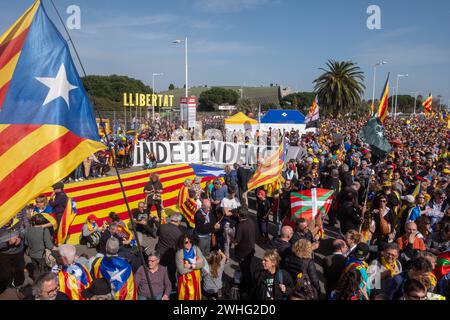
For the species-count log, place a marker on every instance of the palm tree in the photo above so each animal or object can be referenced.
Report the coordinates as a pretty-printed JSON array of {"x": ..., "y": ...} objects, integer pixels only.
[{"x": 341, "y": 86}]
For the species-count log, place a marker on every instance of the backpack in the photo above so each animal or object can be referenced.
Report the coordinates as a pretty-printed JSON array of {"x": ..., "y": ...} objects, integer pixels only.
[{"x": 304, "y": 285}]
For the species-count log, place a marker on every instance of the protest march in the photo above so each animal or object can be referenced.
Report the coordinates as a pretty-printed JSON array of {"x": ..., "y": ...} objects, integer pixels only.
[{"x": 251, "y": 206}]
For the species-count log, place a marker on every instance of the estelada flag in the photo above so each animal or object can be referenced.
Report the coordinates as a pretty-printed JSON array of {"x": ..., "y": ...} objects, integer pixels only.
[
  {"x": 73, "y": 280},
  {"x": 66, "y": 221},
  {"x": 187, "y": 206},
  {"x": 308, "y": 203},
  {"x": 428, "y": 104},
  {"x": 271, "y": 169},
  {"x": 120, "y": 274},
  {"x": 383, "y": 108},
  {"x": 47, "y": 126}
]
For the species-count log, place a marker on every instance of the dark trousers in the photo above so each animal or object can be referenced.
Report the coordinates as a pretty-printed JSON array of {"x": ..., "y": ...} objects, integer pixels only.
[
  {"x": 263, "y": 226},
  {"x": 39, "y": 267},
  {"x": 245, "y": 264},
  {"x": 158, "y": 206},
  {"x": 12, "y": 266}
]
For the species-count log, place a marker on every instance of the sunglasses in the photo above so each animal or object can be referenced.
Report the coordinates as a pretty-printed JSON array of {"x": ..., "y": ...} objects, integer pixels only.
[
  {"x": 383, "y": 201},
  {"x": 187, "y": 242}
]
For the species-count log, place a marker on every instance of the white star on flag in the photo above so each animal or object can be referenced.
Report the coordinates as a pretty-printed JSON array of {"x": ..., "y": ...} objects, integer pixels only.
[
  {"x": 116, "y": 275},
  {"x": 59, "y": 86}
]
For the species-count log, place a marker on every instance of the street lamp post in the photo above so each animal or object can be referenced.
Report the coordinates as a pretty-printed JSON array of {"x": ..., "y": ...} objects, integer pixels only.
[
  {"x": 154, "y": 92},
  {"x": 185, "y": 62},
  {"x": 374, "y": 80},
  {"x": 396, "y": 92},
  {"x": 415, "y": 100},
  {"x": 392, "y": 100}
]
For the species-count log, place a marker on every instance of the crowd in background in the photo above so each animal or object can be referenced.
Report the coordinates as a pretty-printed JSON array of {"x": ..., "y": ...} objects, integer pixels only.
[{"x": 387, "y": 233}]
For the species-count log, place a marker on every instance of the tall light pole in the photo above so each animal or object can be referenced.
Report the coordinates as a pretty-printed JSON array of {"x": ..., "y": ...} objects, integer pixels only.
[
  {"x": 396, "y": 92},
  {"x": 415, "y": 100},
  {"x": 374, "y": 80},
  {"x": 392, "y": 100},
  {"x": 186, "y": 61},
  {"x": 154, "y": 92}
]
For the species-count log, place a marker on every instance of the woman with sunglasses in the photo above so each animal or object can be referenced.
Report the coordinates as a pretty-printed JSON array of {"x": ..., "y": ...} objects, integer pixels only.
[
  {"x": 384, "y": 218},
  {"x": 189, "y": 260}
]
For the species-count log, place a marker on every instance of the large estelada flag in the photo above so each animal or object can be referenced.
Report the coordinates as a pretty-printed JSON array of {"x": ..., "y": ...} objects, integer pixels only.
[
  {"x": 271, "y": 169},
  {"x": 47, "y": 125},
  {"x": 383, "y": 108},
  {"x": 120, "y": 274},
  {"x": 308, "y": 204},
  {"x": 428, "y": 104}
]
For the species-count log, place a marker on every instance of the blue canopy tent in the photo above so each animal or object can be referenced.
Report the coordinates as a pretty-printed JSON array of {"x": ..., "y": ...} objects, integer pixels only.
[{"x": 284, "y": 119}]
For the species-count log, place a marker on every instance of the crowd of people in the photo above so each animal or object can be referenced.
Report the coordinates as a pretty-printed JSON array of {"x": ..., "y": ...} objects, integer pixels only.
[{"x": 387, "y": 233}]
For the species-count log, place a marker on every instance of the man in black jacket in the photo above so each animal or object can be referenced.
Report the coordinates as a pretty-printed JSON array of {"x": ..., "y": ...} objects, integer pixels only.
[
  {"x": 168, "y": 236},
  {"x": 350, "y": 215},
  {"x": 244, "y": 175},
  {"x": 58, "y": 200},
  {"x": 245, "y": 241},
  {"x": 334, "y": 264},
  {"x": 282, "y": 244},
  {"x": 205, "y": 225}
]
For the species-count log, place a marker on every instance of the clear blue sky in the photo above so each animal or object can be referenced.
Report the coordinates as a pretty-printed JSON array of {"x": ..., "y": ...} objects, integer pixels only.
[{"x": 258, "y": 42}]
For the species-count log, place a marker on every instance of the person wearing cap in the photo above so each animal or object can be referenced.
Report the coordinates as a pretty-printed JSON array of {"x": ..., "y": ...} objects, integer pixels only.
[
  {"x": 58, "y": 200},
  {"x": 91, "y": 232},
  {"x": 168, "y": 236},
  {"x": 263, "y": 208},
  {"x": 100, "y": 289},
  {"x": 357, "y": 260},
  {"x": 410, "y": 212}
]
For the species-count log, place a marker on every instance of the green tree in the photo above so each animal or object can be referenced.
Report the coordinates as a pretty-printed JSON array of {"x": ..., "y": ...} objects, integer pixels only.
[
  {"x": 299, "y": 100},
  {"x": 171, "y": 87},
  {"x": 340, "y": 87},
  {"x": 214, "y": 97}
]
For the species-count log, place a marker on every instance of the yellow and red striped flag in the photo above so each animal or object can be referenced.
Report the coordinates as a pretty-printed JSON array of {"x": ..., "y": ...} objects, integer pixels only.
[
  {"x": 428, "y": 104},
  {"x": 189, "y": 286},
  {"x": 47, "y": 125},
  {"x": 66, "y": 221},
  {"x": 383, "y": 109},
  {"x": 271, "y": 169}
]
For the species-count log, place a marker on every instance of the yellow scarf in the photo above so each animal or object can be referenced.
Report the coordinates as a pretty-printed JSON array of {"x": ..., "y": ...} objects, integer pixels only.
[
  {"x": 433, "y": 279},
  {"x": 389, "y": 267}
]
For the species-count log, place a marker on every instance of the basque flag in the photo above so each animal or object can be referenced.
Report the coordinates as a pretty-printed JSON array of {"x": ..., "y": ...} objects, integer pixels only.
[{"x": 47, "y": 126}]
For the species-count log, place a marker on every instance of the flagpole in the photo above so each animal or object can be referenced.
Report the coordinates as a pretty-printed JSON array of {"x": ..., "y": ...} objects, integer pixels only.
[{"x": 133, "y": 225}]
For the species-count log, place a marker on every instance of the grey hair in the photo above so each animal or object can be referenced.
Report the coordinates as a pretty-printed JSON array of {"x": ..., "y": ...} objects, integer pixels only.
[
  {"x": 198, "y": 179},
  {"x": 187, "y": 182},
  {"x": 112, "y": 246},
  {"x": 40, "y": 280},
  {"x": 154, "y": 253},
  {"x": 68, "y": 251}
]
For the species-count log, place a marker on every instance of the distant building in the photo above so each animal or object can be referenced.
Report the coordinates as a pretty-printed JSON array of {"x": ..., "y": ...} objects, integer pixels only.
[{"x": 285, "y": 91}]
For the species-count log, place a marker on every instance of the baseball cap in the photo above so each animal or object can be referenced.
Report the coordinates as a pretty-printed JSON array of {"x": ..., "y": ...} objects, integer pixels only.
[
  {"x": 409, "y": 198},
  {"x": 361, "y": 251},
  {"x": 99, "y": 287},
  {"x": 261, "y": 193},
  {"x": 58, "y": 185}
]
